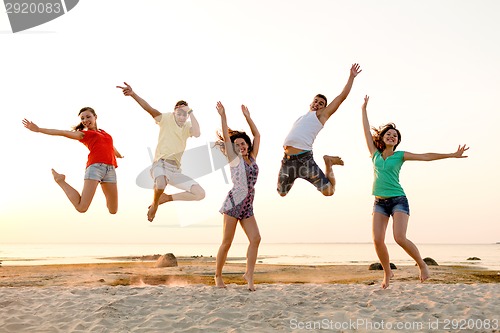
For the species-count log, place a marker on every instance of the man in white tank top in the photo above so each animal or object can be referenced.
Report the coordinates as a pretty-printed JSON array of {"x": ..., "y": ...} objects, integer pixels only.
[{"x": 298, "y": 160}]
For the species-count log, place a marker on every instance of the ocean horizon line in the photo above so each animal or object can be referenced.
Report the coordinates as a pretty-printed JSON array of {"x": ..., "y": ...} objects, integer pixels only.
[{"x": 240, "y": 243}]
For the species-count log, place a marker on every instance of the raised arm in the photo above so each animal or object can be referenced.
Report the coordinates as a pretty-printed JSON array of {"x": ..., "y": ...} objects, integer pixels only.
[
  {"x": 231, "y": 155},
  {"x": 436, "y": 156},
  {"x": 255, "y": 131},
  {"x": 75, "y": 135},
  {"x": 330, "y": 109},
  {"x": 366, "y": 127},
  {"x": 127, "y": 91},
  {"x": 195, "y": 125}
]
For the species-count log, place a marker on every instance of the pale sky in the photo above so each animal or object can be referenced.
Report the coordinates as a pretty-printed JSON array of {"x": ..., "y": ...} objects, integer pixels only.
[{"x": 431, "y": 67}]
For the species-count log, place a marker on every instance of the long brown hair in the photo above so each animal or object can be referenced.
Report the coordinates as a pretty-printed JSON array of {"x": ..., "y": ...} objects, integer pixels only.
[
  {"x": 80, "y": 126},
  {"x": 378, "y": 136},
  {"x": 233, "y": 135}
]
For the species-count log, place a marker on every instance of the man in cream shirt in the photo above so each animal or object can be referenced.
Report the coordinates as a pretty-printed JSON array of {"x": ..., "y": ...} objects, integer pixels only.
[{"x": 174, "y": 132}]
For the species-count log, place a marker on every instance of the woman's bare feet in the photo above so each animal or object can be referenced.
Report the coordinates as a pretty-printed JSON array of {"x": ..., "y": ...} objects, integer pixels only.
[
  {"x": 332, "y": 160},
  {"x": 58, "y": 177},
  {"x": 424, "y": 273},
  {"x": 387, "y": 279},
  {"x": 249, "y": 280},
  {"x": 219, "y": 283}
]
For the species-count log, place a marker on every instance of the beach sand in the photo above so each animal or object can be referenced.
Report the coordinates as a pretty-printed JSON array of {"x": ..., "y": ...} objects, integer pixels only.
[{"x": 137, "y": 297}]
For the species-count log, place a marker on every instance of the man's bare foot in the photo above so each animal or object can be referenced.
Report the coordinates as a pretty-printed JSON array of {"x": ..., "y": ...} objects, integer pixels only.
[
  {"x": 219, "y": 283},
  {"x": 152, "y": 212},
  {"x": 424, "y": 273},
  {"x": 163, "y": 198},
  {"x": 58, "y": 177},
  {"x": 333, "y": 160},
  {"x": 387, "y": 278},
  {"x": 249, "y": 280}
]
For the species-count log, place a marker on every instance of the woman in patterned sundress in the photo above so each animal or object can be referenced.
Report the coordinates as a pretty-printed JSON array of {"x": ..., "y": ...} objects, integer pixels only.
[{"x": 238, "y": 205}]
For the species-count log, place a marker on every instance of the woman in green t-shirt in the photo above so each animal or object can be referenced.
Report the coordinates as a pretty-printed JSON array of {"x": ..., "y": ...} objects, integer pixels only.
[{"x": 390, "y": 199}]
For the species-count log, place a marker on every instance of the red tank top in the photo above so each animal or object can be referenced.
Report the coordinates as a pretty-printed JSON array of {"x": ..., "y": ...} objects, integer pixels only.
[{"x": 101, "y": 147}]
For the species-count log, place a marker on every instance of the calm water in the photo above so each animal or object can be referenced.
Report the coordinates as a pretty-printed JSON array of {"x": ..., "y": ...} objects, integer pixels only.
[{"x": 294, "y": 254}]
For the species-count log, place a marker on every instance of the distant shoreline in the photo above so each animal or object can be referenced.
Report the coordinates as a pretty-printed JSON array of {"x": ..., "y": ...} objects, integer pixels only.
[{"x": 361, "y": 254}]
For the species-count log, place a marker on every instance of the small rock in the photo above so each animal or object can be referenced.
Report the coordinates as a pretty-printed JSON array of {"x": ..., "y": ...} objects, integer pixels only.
[
  {"x": 378, "y": 266},
  {"x": 473, "y": 258},
  {"x": 167, "y": 260},
  {"x": 430, "y": 262}
]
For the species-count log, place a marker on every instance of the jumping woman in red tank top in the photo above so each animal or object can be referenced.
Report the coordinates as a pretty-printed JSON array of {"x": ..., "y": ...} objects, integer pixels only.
[{"x": 101, "y": 161}]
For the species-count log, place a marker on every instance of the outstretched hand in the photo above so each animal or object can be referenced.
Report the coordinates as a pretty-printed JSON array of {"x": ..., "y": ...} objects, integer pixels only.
[
  {"x": 355, "y": 70},
  {"x": 220, "y": 108},
  {"x": 367, "y": 98},
  {"x": 245, "y": 111},
  {"x": 127, "y": 91},
  {"x": 31, "y": 125},
  {"x": 460, "y": 151}
]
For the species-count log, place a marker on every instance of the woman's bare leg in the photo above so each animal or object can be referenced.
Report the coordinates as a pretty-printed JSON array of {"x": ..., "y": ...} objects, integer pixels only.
[
  {"x": 379, "y": 227},
  {"x": 80, "y": 202},
  {"x": 251, "y": 229},
  {"x": 399, "y": 228},
  {"x": 227, "y": 239},
  {"x": 110, "y": 191}
]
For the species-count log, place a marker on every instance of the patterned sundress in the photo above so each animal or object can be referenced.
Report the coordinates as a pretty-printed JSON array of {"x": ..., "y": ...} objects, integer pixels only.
[{"x": 239, "y": 200}]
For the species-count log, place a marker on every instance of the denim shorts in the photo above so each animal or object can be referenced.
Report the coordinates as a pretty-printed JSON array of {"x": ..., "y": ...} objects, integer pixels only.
[
  {"x": 300, "y": 166},
  {"x": 104, "y": 173},
  {"x": 389, "y": 206}
]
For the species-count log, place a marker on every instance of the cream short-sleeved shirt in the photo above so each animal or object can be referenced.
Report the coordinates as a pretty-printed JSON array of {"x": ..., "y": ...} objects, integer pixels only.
[{"x": 172, "y": 138}]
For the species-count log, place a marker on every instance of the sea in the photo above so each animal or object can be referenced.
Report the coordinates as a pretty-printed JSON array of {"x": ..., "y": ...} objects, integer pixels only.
[{"x": 269, "y": 253}]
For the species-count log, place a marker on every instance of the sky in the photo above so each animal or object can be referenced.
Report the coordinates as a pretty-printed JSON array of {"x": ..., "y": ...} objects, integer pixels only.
[{"x": 430, "y": 67}]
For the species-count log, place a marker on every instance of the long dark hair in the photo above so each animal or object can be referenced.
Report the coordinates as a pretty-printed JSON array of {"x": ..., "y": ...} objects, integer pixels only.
[
  {"x": 378, "y": 135},
  {"x": 80, "y": 126},
  {"x": 233, "y": 135}
]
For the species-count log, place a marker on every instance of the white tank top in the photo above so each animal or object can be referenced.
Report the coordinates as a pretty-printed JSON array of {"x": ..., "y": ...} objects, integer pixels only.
[{"x": 304, "y": 131}]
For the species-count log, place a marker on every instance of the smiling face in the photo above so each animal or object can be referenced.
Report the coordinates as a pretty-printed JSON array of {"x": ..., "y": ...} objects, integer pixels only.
[
  {"x": 88, "y": 119},
  {"x": 241, "y": 146},
  {"x": 386, "y": 136},
  {"x": 317, "y": 104},
  {"x": 181, "y": 115},
  {"x": 391, "y": 138}
]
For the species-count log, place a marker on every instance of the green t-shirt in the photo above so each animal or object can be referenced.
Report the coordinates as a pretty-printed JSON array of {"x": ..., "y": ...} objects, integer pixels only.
[{"x": 386, "y": 174}]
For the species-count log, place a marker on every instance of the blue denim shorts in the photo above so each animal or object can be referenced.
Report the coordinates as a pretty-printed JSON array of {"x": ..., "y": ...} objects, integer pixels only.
[
  {"x": 389, "y": 206},
  {"x": 104, "y": 173},
  {"x": 300, "y": 166}
]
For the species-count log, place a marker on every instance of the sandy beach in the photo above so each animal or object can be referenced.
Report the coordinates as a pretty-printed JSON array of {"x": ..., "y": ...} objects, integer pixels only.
[{"x": 137, "y": 297}]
